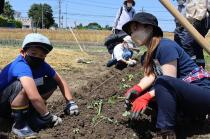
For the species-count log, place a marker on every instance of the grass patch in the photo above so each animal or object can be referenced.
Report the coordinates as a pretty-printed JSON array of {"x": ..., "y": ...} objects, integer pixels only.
[{"x": 60, "y": 59}]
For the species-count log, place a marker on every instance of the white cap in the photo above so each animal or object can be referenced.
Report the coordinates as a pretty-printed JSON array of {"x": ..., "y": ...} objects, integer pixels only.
[
  {"x": 129, "y": 41},
  {"x": 39, "y": 39}
]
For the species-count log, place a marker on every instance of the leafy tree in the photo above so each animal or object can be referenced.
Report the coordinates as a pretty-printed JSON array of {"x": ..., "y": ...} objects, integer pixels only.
[
  {"x": 35, "y": 12},
  {"x": 94, "y": 26},
  {"x": 8, "y": 11}
]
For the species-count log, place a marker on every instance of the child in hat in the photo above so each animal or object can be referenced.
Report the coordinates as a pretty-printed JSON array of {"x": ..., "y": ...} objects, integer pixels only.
[{"x": 26, "y": 83}]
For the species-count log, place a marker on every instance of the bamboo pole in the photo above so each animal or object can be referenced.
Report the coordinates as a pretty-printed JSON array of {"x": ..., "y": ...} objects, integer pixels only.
[{"x": 186, "y": 24}]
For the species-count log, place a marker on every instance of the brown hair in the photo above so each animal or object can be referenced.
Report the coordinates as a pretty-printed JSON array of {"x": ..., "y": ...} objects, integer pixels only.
[{"x": 148, "y": 68}]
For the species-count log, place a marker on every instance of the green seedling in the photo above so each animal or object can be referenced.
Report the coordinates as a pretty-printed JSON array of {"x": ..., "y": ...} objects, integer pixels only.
[
  {"x": 124, "y": 86},
  {"x": 130, "y": 77},
  {"x": 126, "y": 114},
  {"x": 97, "y": 105},
  {"x": 102, "y": 118},
  {"x": 112, "y": 100}
]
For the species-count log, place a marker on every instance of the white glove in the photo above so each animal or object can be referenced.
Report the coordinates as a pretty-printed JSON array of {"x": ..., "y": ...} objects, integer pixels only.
[
  {"x": 57, "y": 120},
  {"x": 71, "y": 108},
  {"x": 131, "y": 63}
]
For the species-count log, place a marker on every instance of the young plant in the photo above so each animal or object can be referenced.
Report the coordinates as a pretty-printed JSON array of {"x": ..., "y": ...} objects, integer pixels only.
[
  {"x": 112, "y": 100},
  {"x": 130, "y": 77},
  {"x": 123, "y": 84},
  {"x": 97, "y": 105},
  {"x": 126, "y": 114}
]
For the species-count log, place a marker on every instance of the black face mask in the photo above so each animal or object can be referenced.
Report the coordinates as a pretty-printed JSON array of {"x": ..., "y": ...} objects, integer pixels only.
[
  {"x": 34, "y": 62},
  {"x": 128, "y": 9}
]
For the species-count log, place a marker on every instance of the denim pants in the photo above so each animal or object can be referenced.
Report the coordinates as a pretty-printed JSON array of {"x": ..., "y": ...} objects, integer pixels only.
[
  {"x": 127, "y": 54},
  {"x": 174, "y": 95},
  {"x": 188, "y": 43}
]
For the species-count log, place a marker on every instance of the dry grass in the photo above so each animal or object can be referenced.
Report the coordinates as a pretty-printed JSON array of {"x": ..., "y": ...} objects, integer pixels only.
[
  {"x": 60, "y": 59},
  {"x": 65, "y": 35},
  {"x": 57, "y": 35}
]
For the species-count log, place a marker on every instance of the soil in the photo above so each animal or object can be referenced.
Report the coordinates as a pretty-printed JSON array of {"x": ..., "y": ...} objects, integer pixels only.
[{"x": 99, "y": 92}]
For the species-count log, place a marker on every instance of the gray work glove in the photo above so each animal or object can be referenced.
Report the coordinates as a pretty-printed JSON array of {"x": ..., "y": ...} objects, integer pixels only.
[
  {"x": 50, "y": 120},
  {"x": 71, "y": 108}
]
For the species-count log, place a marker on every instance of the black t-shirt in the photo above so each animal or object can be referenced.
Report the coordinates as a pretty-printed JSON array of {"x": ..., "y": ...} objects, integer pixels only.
[{"x": 168, "y": 51}]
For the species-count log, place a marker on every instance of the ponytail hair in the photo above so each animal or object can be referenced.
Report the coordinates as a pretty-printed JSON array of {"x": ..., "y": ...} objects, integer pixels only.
[{"x": 148, "y": 61}]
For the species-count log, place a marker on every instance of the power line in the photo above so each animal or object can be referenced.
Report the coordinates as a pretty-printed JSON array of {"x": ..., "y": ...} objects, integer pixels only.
[{"x": 94, "y": 5}]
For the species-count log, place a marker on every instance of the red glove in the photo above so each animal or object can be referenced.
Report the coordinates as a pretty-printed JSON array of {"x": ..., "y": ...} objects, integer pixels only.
[
  {"x": 140, "y": 104},
  {"x": 133, "y": 93}
]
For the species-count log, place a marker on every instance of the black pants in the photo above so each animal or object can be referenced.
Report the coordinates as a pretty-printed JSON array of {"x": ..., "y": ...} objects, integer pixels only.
[
  {"x": 10, "y": 93},
  {"x": 174, "y": 95}
]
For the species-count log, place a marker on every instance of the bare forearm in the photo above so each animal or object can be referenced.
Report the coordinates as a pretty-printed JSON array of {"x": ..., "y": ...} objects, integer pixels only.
[
  {"x": 146, "y": 82},
  {"x": 33, "y": 95},
  {"x": 63, "y": 85},
  {"x": 39, "y": 105},
  {"x": 65, "y": 91},
  {"x": 152, "y": 93}
]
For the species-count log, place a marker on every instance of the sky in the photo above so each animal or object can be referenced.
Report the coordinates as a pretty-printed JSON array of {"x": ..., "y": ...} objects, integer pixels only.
[{"x": 100, "y": 11}]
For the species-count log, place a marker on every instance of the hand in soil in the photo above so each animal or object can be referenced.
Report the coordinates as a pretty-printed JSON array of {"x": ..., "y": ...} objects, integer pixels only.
[
  {"x": 140, "y": 104},
  {"x": 71, "y": 108},
  {"x": 50, "y": 120}
]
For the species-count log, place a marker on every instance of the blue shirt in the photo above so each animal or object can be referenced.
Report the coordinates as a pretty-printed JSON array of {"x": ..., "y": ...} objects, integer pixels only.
[
  {"x": 168, "y": 51},
  {"x": 19, "y": 68}
]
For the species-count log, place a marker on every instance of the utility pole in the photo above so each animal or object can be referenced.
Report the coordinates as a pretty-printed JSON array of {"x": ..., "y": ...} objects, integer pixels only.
[
  {"x": 62, "y": 21},
  {"x": 66, "y": 14},
  {"x": 42, "y": 17},
  {"x": 59, "y": 20}
]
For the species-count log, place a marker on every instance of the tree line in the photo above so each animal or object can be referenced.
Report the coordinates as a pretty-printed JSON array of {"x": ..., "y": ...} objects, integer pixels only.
[{"x": 41, "y": 16}]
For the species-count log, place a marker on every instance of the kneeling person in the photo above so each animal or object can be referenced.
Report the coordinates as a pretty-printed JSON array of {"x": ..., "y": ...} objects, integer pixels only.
[
  {"x": 122, "y": 54},
  {"x": 29, "y": 81}
]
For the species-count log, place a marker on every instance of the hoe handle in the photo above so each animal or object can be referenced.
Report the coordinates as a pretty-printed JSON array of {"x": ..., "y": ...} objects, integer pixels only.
[{"x": 186, "y": 24}]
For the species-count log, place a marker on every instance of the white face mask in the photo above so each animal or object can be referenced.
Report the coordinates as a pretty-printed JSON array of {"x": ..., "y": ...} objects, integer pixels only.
[
  {"x": 140, "y": 37},
  {"x": 129, "y": 5}
]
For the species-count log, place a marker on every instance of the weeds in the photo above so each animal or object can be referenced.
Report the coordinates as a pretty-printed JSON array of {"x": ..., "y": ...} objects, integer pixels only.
[
  {"x": 97, "y": 105},
  {"x": 112, "y": 100},
  {"x": 126, "y": 114},
  {"x": 130, "y": 77},
  {"x": 123, "y": 84},
  {"x": 125, "y": 80}
]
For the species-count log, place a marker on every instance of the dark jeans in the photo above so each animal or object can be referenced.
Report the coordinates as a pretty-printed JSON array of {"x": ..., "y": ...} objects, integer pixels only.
[
  {"x": 10, "y": 93},
  {"x": 188, "y": 43},
  {"x": 175, "y": 95}
]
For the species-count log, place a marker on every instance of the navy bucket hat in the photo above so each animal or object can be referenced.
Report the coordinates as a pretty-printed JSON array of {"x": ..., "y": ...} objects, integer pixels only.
[{"x": 144, "y": 18}]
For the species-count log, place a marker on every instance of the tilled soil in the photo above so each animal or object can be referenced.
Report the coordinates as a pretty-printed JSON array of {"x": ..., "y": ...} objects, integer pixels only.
[
  {"x": 101, "y": 104},
  {"x": 102, "y": 114}
]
